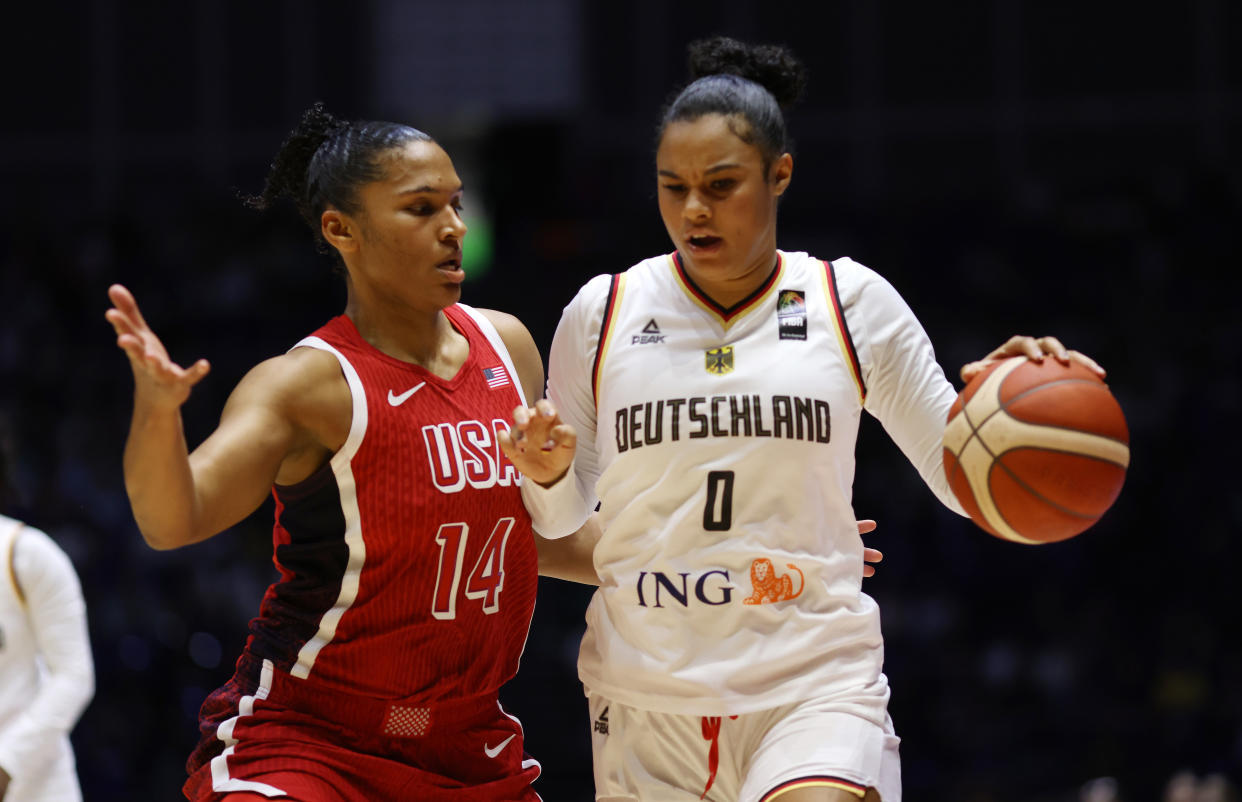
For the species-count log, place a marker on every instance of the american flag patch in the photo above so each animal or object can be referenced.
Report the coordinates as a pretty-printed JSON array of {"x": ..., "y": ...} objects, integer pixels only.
[{"x": 495, "y": 377}]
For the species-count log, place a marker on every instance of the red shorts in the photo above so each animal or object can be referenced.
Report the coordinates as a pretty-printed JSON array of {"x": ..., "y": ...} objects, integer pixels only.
[{"x": 288, "y": 739}]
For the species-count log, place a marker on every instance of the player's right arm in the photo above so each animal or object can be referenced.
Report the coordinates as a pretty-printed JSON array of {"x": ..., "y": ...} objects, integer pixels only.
[
  {"x": 278, "y": 424},
  {"x": 907, "y": 390}
]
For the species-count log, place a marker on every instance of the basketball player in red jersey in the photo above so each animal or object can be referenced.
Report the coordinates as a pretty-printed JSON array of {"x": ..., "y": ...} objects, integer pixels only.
[{"x": 406, "y": 558}]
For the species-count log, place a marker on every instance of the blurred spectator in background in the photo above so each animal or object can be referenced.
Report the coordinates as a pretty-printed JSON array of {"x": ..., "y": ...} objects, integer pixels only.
[
  {"x": 47, "y": 675},
  {"x": 1101, "y": 789},
  {"x": 1186, "y": 786}
]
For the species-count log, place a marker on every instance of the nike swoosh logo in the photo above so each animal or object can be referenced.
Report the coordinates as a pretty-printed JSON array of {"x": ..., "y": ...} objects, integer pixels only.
[
  {"x": 492, "y": 751},
  {"x": 398, "y": 400}
]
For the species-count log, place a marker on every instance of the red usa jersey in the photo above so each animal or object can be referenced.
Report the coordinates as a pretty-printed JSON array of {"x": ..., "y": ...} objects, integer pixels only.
[{"x": 407, "y": 564}]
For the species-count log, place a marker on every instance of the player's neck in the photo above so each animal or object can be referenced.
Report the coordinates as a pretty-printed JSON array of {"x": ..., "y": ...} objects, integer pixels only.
[
  {"x": 732, "y": 286},
  {"x": 422, "y": 336}
]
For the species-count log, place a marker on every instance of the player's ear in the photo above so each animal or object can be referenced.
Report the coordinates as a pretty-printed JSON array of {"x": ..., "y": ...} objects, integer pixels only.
[
  {"x": 780, "y": 174},
  {"x": 339, "y": 230}
]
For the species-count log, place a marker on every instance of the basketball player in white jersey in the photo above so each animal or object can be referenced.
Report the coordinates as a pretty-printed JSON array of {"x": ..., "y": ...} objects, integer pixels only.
[
  {"x": 716, "y": 394},
  {"x": 47, "y": 676}
]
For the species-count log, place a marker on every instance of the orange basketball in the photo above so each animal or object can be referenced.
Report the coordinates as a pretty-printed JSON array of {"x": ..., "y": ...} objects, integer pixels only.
[{"x": 1036, "y": 451}]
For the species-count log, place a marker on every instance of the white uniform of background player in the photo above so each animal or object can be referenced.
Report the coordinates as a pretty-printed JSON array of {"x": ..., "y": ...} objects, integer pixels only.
[
  {"x": 720, "y": 445},
  {"x": 47, "y": 676}
]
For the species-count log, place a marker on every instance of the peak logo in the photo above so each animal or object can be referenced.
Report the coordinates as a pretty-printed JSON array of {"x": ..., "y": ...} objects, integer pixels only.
[
  {"x": 601, "y": 723},
  {"x": 650, "y": 334}
]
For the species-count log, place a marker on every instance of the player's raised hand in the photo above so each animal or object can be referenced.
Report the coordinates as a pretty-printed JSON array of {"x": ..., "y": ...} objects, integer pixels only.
[
  {"x": 539, "y": 444},
  {"x": 157, "y": 378},
  {"x": 866, "y": 525},
  {"x": 1035, "y": 348}
]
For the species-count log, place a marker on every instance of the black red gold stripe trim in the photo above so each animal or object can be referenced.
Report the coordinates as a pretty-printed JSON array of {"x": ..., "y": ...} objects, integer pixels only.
[
  {"x": 843, "y": 331},
  {"x": 726, "y": 315},
  {"x": 854, "y": 788},
  {"x": 605, "y": 330}
]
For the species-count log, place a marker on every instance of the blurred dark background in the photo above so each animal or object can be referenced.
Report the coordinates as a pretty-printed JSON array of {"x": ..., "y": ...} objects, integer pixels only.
[{"x": 1015, "y": 166}]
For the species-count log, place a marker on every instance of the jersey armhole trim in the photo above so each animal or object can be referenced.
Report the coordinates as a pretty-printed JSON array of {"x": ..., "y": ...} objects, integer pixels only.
[
  {"x": 615, "y": 292},
  {"x": 342, "y": 468},
  {"x": 11, "y": 556},
  {"x": 497, "y": 342},
  {"x": 844, "y": 339}
]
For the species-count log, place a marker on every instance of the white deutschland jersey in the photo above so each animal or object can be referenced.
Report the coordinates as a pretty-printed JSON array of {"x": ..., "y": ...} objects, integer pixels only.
[{"x": 720, "y": 445}]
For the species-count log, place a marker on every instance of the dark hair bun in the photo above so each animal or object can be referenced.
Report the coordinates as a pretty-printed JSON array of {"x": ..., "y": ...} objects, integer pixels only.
[
  {"x": 773, "y": 67},
  {"x": 287, "y": 176}
]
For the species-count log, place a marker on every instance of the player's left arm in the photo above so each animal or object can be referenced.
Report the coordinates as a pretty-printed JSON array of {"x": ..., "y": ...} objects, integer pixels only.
[
  {"x": 571, "y": 558},
  {"x": 906, "y": 389}
]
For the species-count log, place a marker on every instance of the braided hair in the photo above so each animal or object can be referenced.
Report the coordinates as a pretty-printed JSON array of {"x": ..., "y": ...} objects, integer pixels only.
[
  {"x": 748, "y": 84},
  {"x": 324, "y": 161}
]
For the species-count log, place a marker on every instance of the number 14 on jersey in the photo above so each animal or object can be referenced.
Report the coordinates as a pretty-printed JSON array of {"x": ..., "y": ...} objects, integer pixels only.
[{"x": 486, "y": 579}]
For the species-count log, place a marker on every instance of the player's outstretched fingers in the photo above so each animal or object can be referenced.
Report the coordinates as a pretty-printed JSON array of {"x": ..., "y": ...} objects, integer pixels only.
[
  {"x": 972, "y": 369},
  {"x": 865, "y": 525},
  {"x": 1021, "y": 345},
  {"x": 509, "y": 438},
  {"x": 546, "y": 421},
  {"x": 871, "y": 556},
  {"x": 1017, "y": 345},
  {"x": 1051, "y": 345},
  {"x": 123, "y": 300},
  {"x": 1087, "y": 362},
  {"x": 197, "y": 371}
]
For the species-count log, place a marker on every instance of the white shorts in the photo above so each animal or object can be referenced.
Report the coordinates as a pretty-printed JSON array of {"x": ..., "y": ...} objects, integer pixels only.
[{"x": 666, "y": 757}]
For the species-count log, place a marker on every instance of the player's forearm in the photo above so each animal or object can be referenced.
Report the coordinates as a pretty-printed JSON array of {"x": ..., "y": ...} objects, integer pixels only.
[
  {"x": 570, "y": 558},
  {"x": 158, "y": 478}
]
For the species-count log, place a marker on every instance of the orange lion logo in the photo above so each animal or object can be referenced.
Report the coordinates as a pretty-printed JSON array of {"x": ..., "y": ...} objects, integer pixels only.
[{"x": 770, "y": 586}]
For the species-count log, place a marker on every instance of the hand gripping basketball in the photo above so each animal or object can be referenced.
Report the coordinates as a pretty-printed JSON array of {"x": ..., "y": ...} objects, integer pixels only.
[{"x": 1036, "y": 451}]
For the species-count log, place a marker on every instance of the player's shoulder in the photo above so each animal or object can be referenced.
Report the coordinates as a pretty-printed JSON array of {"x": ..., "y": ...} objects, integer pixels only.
[
  {"x": 508, "y": 326},
  {"x": 645, "y": 276},
  {"x": 513, "y": 333},
  {"x": 848, "y": 269},
  {"x": 641, "y": 272},
  {"x": 592, "y": 296},
  {"x": 298, "y": 368},
  {"x": 301, "y": 379},
  {"x": 31, "y": 543},
  {"x": 856, "y": 280},
  {"x": 21, "y": 529}
]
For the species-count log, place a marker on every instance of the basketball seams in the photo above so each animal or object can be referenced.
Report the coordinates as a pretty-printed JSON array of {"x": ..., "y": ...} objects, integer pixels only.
[
  {"x": 1004, "y": 406},
  {"x": 1071, "y": 430},
  {"x": 1021, "y": 434},
  {"x": 1039, "y": 495},
  {"x": 987, "y": 395}
]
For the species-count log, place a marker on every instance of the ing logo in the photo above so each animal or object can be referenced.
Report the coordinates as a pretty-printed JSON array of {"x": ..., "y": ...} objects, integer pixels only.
[{"x": 767, "y": 586}]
